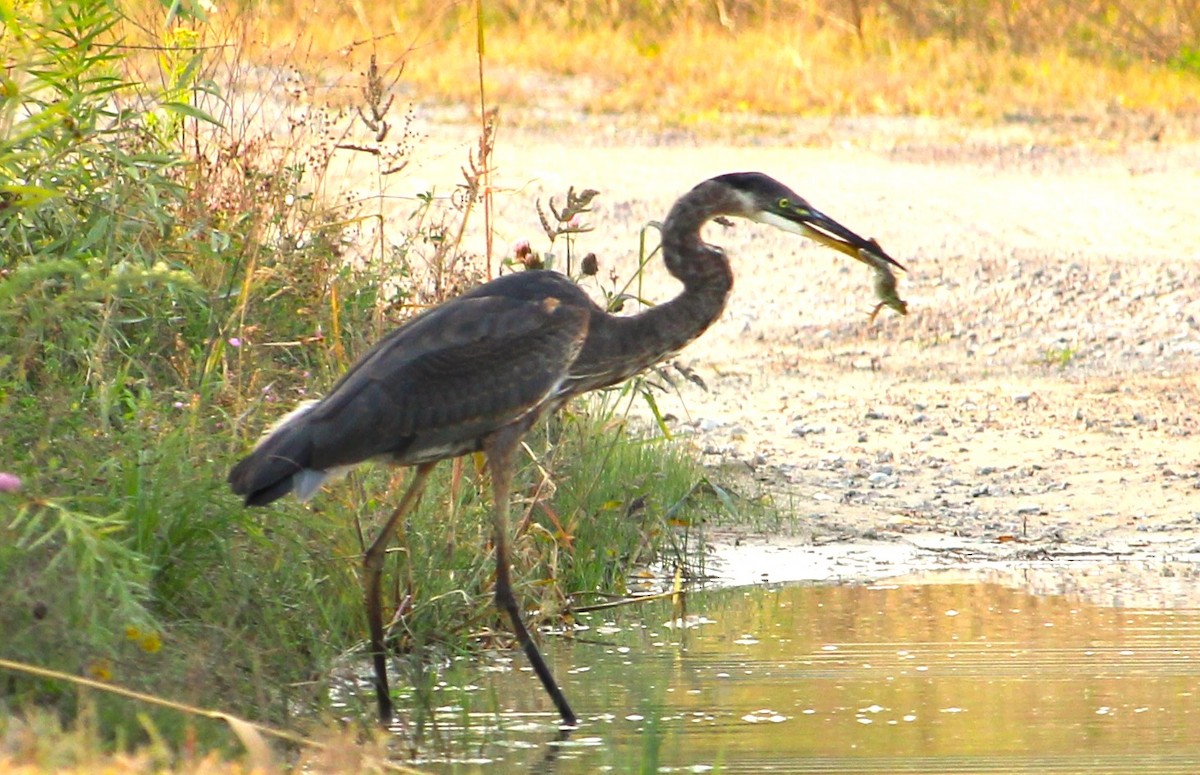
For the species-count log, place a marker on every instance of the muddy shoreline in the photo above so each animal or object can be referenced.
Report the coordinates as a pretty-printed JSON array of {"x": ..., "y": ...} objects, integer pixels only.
[{"x": 1035, "y": 416}]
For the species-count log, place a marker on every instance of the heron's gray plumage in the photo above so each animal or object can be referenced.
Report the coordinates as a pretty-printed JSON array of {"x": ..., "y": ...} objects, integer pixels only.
[
  {"x": 476, "y": 371},
  {"x": 431, "y": 389}
]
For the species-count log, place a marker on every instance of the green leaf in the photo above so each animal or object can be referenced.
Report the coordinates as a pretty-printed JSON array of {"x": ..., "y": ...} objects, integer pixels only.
[
  {"x": 191, "y": 111},
  {"x": 26, "y": 196},
  {"x": 723, "y": 496},
  {"x": 661, "y": 421}
]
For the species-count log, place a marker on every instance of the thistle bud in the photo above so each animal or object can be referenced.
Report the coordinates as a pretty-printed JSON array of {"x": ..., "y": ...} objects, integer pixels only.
[{"x": 590, "y": 265}]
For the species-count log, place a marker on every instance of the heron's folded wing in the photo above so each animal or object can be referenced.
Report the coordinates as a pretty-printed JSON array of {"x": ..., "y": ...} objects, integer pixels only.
[{"x": 471, "y": 366}]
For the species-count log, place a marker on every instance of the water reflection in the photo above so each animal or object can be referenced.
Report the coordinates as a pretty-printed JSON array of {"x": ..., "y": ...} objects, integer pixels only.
[{"x": 943, "y": 678}]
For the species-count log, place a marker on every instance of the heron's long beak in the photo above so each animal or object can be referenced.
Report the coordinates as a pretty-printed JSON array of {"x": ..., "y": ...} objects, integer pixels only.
[{"x": 812, "y": 223}]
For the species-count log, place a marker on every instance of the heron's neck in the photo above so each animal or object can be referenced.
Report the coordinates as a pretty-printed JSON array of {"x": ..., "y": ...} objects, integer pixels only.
[
  {"x": 702, "y": 268},
  {"x": 617, "y": 347}
]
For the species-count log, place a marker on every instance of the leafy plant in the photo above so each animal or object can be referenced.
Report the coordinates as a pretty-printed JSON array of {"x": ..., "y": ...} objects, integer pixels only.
[
  {"x": 1059, "y": 356},
  {"x": 90, "y": 194}
]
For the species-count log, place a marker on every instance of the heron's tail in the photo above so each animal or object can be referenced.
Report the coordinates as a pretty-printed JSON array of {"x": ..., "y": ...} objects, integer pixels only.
[{"x": 279, "y": 464}]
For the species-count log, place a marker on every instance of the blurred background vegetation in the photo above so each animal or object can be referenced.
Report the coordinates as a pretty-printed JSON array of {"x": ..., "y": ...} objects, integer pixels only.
[
  {"x": 690, "y": 61},
  {"x": 178, "y": 266}
]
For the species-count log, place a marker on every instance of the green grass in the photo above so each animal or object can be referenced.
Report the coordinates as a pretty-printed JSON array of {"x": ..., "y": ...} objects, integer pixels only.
[{"x": 249, "y": 609}]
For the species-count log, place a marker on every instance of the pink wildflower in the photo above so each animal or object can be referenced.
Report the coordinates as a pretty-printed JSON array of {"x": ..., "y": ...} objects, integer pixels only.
[{"x": 9, "y": 482}]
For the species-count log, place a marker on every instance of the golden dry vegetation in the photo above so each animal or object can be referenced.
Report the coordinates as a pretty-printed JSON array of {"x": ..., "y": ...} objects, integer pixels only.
[{"x": 688, "y": 63}]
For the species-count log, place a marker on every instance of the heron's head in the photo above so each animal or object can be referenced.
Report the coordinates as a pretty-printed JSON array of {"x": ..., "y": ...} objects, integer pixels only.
[{"x": 764, "y": 199}]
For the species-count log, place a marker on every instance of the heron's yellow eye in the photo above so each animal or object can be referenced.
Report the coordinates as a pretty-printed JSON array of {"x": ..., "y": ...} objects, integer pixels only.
[{"x": 785, "y": 204}]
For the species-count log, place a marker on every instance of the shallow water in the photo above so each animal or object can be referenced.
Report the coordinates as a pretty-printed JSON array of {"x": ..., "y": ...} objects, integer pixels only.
[{"x": 828, "y": 679}]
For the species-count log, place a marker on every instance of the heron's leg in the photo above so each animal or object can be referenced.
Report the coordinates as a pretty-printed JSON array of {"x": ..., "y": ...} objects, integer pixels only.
[
  {"x": 372, "y": 583},
  {"x": 499, "y": 449}
]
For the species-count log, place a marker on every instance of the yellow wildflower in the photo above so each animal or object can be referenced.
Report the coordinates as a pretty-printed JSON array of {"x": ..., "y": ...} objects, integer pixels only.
[
  {"x": 150, "y": 642},
  {"x": 99, "y": 669}
]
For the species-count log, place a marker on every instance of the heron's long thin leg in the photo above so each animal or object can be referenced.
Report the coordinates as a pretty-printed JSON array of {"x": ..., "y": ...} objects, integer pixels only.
[
  {"x": 372, "y": 583},
  {"x": 499, "y": 448}
]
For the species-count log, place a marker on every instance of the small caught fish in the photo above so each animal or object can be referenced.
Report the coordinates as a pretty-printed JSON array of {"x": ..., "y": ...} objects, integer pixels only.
[{"x": 885, "y": 280}]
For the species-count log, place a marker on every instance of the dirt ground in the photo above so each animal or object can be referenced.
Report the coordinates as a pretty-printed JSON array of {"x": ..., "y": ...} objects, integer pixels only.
[{"x": 1034, "y": 420}]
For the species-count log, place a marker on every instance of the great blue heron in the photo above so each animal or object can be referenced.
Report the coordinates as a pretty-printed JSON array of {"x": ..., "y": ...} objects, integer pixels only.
[{"x": 473, "y": 374}]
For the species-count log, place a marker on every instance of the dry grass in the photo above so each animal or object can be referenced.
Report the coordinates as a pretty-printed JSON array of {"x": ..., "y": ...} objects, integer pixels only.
[{"x": 805, "y": 59}]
